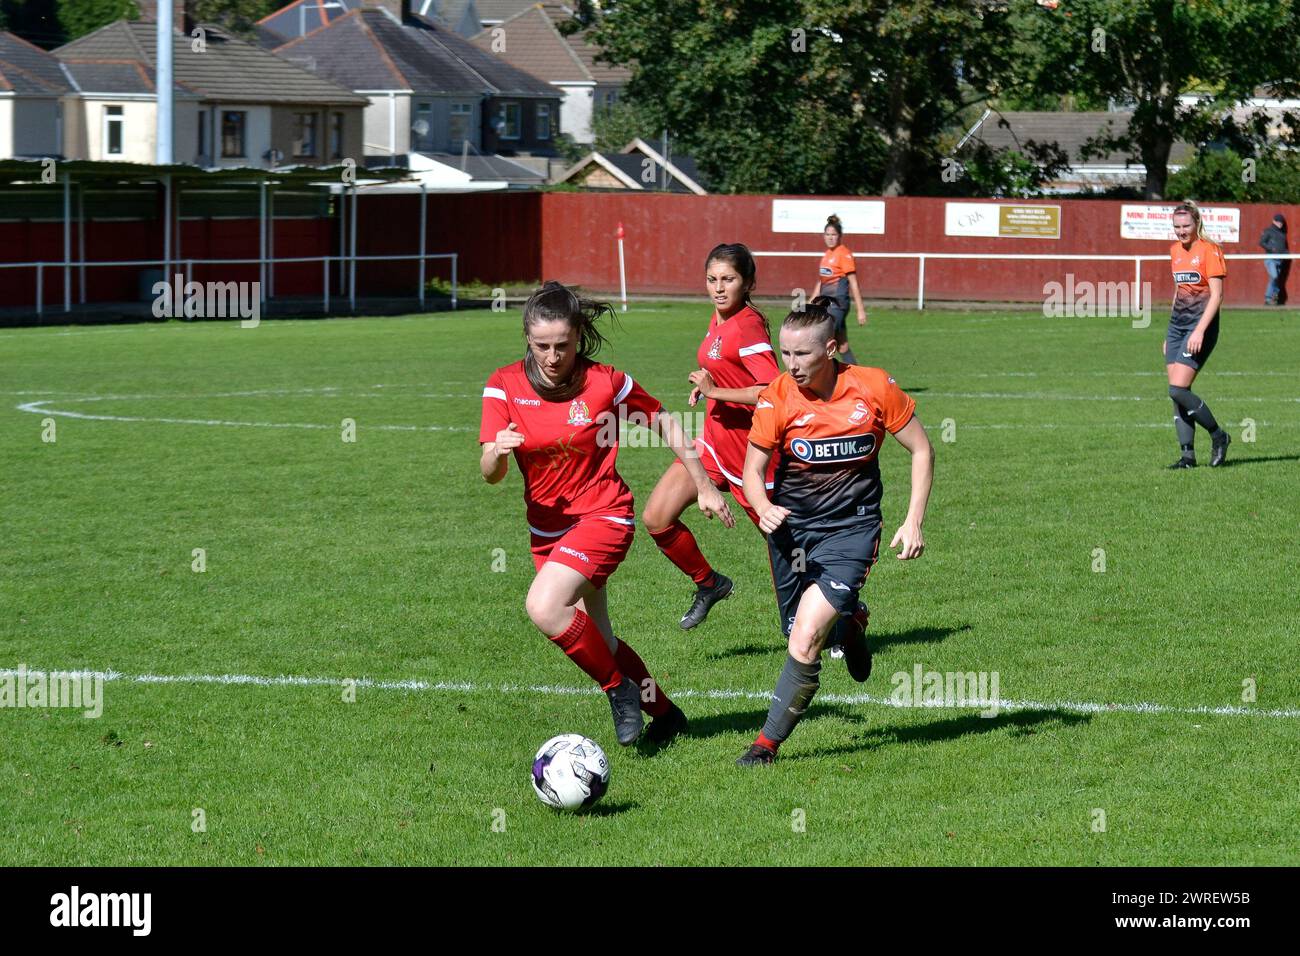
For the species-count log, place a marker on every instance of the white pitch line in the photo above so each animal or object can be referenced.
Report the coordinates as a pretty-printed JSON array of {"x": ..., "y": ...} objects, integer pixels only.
[
  {"x": 37, "y": 409},
  {"x": 1053, "y": 397},
  {"x": 465, "y": 687}
]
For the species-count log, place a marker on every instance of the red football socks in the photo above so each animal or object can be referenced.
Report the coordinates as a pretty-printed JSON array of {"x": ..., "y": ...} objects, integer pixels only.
[
  {"x": 762, "y": 741},
  {"x": 630, "y": 663},
  {"x": 586, "y": 647},
  {"x": 678, "y": 545}
]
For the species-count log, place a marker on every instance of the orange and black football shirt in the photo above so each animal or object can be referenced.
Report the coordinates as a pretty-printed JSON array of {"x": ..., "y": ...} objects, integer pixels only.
[
  {"x": 827, "y": 471},
  {"x": 836, "y": 264},
  {"x": 1193, "y": 269}
]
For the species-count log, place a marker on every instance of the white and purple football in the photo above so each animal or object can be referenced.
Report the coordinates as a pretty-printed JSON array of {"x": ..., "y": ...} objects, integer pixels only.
[{"x": 570, "y": 772}]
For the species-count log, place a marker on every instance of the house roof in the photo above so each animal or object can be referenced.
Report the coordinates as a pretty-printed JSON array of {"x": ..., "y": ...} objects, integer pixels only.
[
  {"x": 368, "y": 50},
  {"x": 28, "y": 70},
  {"x": 628, "y": 166},
  {"x": 604, "y": 73},
  {"x": 533, "y": 42},
  {"x": 116, "y": 77},
  {"x": 303, "y": 16},
  {"x": 495, "y": 11},
  {"x": 490, "y": 168},
  {"x": 228, "y": 69},
  {"x": 1069, "y": 131}
]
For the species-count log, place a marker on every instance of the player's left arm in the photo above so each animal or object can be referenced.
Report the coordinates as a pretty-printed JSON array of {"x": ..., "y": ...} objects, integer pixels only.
[
  {"x": 708, "y": 497},
  {"x": 857, "y": 298},
  {"x": 1197, "y": 337},
  {"x": 912, "y": 436}
]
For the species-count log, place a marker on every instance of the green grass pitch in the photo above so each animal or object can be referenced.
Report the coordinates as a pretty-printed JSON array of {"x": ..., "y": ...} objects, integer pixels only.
[{"x": 1060, "y": 554}]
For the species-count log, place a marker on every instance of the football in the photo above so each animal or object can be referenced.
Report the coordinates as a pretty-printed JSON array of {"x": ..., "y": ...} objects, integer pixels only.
[{"x": 570, "y": 772}]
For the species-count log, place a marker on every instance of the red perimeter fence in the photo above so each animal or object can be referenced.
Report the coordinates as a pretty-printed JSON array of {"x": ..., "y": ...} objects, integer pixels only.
[{"x": 525, "y": 236}]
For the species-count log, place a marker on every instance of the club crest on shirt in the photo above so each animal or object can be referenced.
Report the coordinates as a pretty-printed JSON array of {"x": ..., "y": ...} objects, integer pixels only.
[
  {"x": 579, "y": 413},
  {"x": 860, "y": 411},
  {"x": 715, "y": 350}
]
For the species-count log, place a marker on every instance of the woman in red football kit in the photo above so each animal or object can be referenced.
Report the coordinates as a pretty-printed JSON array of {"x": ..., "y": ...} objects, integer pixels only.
[
  {"x": 558, "y": 413},
  {"x": 735, "y": 363},
  {"x": 827, "y": 422},
  {"x": 837, "y": 276}
]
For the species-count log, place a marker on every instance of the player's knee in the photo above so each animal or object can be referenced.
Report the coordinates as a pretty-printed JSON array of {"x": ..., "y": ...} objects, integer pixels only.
[
  {"x": 544, "y": 611},
  {"x": 805, "y": 643},
  {"x": 1178, "y": 393},
  {"x": 655, "y": 520}
]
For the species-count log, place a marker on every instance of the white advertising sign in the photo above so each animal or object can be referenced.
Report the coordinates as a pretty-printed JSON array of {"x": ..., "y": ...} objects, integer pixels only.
[
  {"x": 1222, "y": 223},
  {"x": 862, "y": 217}
]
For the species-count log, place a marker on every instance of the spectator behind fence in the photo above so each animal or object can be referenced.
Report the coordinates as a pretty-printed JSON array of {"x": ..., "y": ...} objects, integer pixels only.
[{"x": 1274, "y": 240}]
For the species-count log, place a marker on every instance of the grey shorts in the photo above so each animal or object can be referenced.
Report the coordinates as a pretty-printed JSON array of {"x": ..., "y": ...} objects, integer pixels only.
[
  {"x": 1176, "y": 346},
  {"x": 838, "y": 292},
  {"x": 837, "y": 561}
]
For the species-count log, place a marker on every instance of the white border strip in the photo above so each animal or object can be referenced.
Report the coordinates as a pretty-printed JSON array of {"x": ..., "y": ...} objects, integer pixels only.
[{"x": 463, "y": 687}]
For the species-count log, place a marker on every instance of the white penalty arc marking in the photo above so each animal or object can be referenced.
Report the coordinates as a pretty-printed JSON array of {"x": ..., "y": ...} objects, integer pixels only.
[
  {"x": 465, "y": 687},
  {"x": 39, "y": 407}
]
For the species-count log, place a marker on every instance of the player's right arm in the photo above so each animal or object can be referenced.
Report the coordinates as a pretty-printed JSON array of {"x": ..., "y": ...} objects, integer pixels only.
[
  {"x": 766, "y": 433},
  {"x": 497, "y": 434},
  {"x": 770, "y": 516},
  {"x": 495, "y": 460}
]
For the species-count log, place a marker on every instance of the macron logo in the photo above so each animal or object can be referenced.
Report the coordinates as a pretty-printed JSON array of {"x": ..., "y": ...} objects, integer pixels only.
[
  {"x": 527, "y": 401},
  {"x": 103, "y": 909}
]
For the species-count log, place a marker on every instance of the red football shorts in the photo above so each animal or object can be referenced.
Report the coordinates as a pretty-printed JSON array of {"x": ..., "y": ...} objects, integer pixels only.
[{"x": 594, "y": 547}]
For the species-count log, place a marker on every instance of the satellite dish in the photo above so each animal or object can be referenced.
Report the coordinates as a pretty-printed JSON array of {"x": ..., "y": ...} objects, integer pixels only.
[{"x": 420, "y": 127}]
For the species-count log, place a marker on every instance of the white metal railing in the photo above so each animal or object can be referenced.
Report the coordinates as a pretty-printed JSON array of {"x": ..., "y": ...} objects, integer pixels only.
[
  {"x": 269, "y": 262},
  {"x": 921, "y": 257}
]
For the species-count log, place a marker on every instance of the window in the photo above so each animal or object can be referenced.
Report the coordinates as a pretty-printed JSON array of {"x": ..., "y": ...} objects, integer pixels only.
[
  {"x": 336, "y": 136},
  {"x": 232, "y": 133},
  {"x": 508, "y": 121},
  {"x": 543, "y": 121},
  {"x": 203, "y": 134},
  {"x": 113, "y": 123},
  {"x": 423, "y": 125},
  {"x": 304, "y": 134},
  {"x": 458, "y": 126}
]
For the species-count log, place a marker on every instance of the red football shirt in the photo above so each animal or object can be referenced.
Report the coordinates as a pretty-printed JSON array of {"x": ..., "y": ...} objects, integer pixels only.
[
  {"x": 737, "y": 354},
  {"x": 569, "y": 450},
  {"x": 828, "y": 474}
]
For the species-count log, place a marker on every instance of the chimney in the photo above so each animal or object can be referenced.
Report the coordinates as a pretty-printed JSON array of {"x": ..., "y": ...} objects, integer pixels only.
[
  {"x": 182, "y": 13},
  {"x": 399, "y": 10}
]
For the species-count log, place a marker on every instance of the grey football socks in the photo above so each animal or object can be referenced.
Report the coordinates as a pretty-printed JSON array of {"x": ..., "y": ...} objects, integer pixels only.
[
  {"x": 1196, "y": 409},
  {"x": 794, "y": 692}
]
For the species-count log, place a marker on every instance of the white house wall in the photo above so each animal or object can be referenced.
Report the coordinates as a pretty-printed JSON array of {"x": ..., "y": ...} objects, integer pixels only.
[
  {"x": 6, "y": 127},
  {"x": 576, "y": 111},
  {"x": 377, "y": 124}
]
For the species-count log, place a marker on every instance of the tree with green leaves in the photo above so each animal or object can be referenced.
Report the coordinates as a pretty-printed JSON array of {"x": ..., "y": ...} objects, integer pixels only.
[
  {"x": 1179, "y": 65},
  {"x": 80, "y": 17},
  {"x": 846, "y": 96}
]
